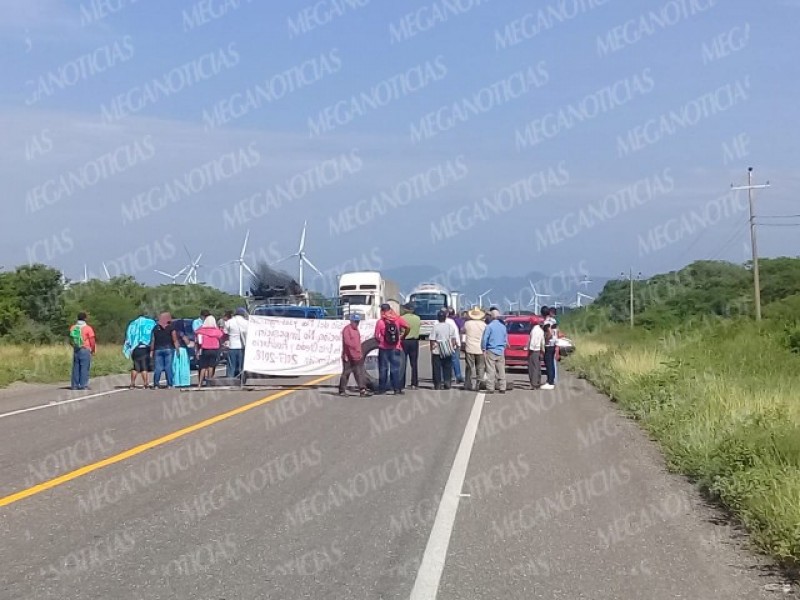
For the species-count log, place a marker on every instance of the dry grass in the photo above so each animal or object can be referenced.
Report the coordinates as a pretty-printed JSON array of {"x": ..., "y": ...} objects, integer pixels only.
[{"x": 53, "y": 364}]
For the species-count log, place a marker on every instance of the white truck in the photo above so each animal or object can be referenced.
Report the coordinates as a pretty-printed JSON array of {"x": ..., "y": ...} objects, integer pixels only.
[
  {"x": 428, "y": 299},
  {"x": 363, "y": 292}
]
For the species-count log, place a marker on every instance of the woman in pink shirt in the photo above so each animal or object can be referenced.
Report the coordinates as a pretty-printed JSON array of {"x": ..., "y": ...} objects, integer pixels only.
[{"x": 208, "y": 338}]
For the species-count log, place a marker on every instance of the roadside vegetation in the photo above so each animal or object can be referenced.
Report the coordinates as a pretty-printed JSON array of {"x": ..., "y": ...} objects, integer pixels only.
[
  {"x": 52, "y": 363},
  {"x": 720, "y": 392}
]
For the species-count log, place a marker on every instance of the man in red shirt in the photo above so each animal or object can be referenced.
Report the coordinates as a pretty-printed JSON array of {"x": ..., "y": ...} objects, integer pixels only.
[
  {"x": 390, "y": 331},
  {"x": 352, "y": 358},
  {"x": 83, "y": 348}
]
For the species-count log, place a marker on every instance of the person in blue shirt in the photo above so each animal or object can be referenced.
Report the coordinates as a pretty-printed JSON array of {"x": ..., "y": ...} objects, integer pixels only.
[{"x": 493, "y": 344}]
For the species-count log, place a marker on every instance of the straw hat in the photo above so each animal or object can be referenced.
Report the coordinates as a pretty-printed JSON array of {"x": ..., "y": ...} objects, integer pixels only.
[{"x": 476, "y": 313}]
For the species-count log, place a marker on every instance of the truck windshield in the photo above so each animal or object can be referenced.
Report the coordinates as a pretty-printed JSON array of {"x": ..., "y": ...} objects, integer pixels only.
[
  {"x": 357, "y": 299},
  {"x": 427, "y": 305}
]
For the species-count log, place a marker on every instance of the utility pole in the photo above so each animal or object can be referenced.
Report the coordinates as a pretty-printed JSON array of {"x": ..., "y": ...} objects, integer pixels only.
[
  {"x": 756, "y": 282},
  {"x": 630, "y": 279}
]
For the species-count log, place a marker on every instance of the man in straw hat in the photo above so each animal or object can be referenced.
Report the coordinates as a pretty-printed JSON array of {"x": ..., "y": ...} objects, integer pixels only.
[{"x": 473, "y": 333}]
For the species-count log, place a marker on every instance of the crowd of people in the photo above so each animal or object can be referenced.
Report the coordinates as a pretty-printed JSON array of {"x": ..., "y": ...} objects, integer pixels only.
[
  {"x": 162, "y": 346},
  {"x": 481, "y": 336}
]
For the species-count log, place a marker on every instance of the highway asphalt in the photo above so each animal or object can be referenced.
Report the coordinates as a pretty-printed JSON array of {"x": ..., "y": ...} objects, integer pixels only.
[{"x": 287, "y": 492}]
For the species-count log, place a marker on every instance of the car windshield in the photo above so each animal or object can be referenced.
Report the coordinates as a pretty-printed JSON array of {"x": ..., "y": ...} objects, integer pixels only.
[
  {"x": 519, "y": 326},
  {"x": 428, "y": 305}
]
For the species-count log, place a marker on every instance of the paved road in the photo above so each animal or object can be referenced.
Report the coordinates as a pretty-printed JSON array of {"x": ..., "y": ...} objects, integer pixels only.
[{"x": 283, "y": 494}]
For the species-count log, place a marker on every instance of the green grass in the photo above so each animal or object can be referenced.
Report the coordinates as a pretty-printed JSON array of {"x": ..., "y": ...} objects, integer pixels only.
[
  {"x": 724, "y": 402},
  {"x": 53, "y": 364}
]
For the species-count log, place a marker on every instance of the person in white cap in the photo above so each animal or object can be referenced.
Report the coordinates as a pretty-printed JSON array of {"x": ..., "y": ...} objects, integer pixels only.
[{"x": 473, "y": 330}]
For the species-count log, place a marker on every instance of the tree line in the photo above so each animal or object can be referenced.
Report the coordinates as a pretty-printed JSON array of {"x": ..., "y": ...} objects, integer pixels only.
[
  {"x": 702, "y": 290},
  {"x": 37, "y": 304}
]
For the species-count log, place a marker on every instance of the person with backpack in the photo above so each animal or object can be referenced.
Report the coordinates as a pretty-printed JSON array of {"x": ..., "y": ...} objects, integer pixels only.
[
  {"x": 390, "y": 330},
  {"x": 82, "y": 340}
]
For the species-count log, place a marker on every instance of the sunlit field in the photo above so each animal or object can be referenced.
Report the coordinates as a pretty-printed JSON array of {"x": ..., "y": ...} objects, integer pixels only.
[
  {"x": 725, "y": 404},
  {"x": 51, "y": 364}
]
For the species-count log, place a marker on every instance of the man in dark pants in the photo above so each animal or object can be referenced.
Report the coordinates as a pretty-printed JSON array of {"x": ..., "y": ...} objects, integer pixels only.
[
  {"x": 549, "y": 358},
  {"x": 389, "y": 332},
  {"x": 535, "y": 354},
  {"x": 352, "y": 358},
  {"x": 411, "y": 345},
  {"x": 441, "y": 338},
  {"x": 83, "y": 348}
]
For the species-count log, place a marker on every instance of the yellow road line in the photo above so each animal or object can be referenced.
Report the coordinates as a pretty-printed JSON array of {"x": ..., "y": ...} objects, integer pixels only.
[{"x": 86, "y": 469}]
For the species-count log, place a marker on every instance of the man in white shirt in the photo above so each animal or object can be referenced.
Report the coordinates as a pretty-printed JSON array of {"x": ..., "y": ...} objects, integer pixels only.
[
  {"x": 473, "y": 330},
  {"x": 535, "y": 356},
  {"x": 236, "y": 330}
]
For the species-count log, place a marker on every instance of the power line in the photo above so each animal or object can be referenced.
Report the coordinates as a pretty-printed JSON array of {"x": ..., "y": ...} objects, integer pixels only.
[
  {"x": 778, "y": 216},
  {"x": 779, "y": 224},
  {"x": 734, "y": 238}
]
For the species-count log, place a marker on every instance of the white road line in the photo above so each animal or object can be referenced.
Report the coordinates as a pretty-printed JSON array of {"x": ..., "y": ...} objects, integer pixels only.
[
  {"x": 51, "y": 404},
  {"x": 78, "y": 399},
  {"x": 426, "y": 586}
]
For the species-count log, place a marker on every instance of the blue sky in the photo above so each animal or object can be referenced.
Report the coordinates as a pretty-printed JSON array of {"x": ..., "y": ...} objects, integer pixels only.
[{"x": 726, "y": 105}]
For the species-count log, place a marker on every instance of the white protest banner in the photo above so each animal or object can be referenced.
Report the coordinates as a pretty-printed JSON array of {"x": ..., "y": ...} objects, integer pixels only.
[{"x": 286, "y": 346}]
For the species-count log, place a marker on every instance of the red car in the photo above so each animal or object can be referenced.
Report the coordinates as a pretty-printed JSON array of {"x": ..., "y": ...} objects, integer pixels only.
[{"x": 519, "y": 330}]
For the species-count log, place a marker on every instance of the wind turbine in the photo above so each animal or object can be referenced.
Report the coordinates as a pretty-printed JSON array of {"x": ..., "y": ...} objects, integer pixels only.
[
  {"x": 173, "y": 277},
  {"x": 510, "y": 304},
  {"x": 301, "y": 255},
  {"x": 243, "y": 266},
  {"x": 480, "y": 297},
  {"x": 585, "y": 281},
  {"x": 85, "y": 274},
  {"x": 191, "y": 276},
  {"x": 581, "y": 295},
  {"x": 535, "y": 300},
  {"x": 105, "y": 270},
  {"x": 191, "y": 268}
]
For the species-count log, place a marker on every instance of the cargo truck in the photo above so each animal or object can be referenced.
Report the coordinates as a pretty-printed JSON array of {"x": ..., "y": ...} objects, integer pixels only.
[{"x": 363, "y": 292}]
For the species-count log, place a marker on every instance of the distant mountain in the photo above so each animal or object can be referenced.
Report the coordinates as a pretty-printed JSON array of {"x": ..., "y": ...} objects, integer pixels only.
[{"x": 471, "y": 281}]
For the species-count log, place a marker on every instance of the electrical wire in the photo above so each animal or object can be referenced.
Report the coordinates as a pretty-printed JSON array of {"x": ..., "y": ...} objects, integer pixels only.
[{"x": 734, "y": 238}]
